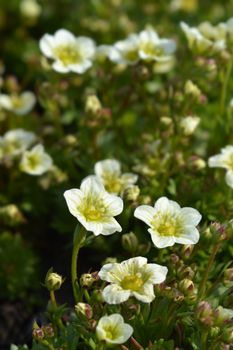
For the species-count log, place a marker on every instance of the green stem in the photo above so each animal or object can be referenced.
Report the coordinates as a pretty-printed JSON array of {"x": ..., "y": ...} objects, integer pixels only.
[
  {"x": 208, "y": 268},
  {"x": 204, "y": 340},
  {"x": 79, "y": 237},
  {"x": 226, "y": 78},
  {"x": 53, "y": 299},
  {"x": 54, "y": 303}
]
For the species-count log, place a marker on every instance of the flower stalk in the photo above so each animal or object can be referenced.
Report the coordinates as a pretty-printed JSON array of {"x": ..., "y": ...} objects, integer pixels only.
[{"x": 79, "y": 238}]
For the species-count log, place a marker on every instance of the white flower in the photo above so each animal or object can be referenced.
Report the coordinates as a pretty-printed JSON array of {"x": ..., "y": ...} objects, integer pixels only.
[
  {"x": 109, "y": 172},
  {"x": 16, "y": 141},
  {"x": 205, "y": 38},
  {"x": 18, "y": 104},
  {"x": 36, "y": 161},
  {"x": 224, "y": 160},
  {"x": 70, "y": 54},
  {"x": 151, "y": 47},
  {"x": 189, "y": 124},
  {"x": 169, "y": 223},
  {"x": 113, "y": 330},
  {"x": 94, "y": 207},
  {"x": 125, "y": 51},
  {"x": 132, "y": 277}
]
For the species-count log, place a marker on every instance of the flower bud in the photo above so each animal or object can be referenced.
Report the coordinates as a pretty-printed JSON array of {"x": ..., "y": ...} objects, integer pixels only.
[
  {"x": 87, "y": 280},
  {"x": 132, "y": 193},
  {"x": 130, "y": 242},
  {"x": 192, "y": 89},
  {"x": 228, "y": 275},
  {"x": 186, "y": 250},
  {"x": 109, "y": 260},
  {"x": 84, "y": 309},
  {"x": 37, "y": 332},
  {"x": 227, "y": 335},
  {"x": 166, "y": 121},
  {"x": 204, "y": 313},
  {"x": 93, "y": 105},
  {"x": 53, "y": 281},
  {"x": 48, "y": 330},
  {"x": 222, "y": 316},
  {"x": 11, "y": 215},
  {"x": 218, "y": 230}
]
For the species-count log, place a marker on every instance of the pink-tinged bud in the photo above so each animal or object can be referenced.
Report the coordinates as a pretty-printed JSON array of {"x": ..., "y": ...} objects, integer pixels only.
[
  {"x": 48, "y": 330},
  {"x": 187, "y": 250},
  {"x": 228, "y": 275},
  {"x": 219, "y": 230},
  {"x": 38, "y": 334},
  {"x": 84, "y": 309},
  {"x": 205, "y": 313},
  {"x": 174, "y": 259}
]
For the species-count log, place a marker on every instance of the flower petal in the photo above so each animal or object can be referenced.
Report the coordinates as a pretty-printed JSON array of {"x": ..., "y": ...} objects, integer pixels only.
[
  {"x": 146, "y": 294},
  {"x": 73, "y": 199},
  {"x": 161, "y": 241},
  {"x": 145, "y": 213},
  {"x": 114, "y": 294},
  {"x": 229, "y": 178},
  {"x": 190, "y": 216},
  {"x": 190, "y": 235}
]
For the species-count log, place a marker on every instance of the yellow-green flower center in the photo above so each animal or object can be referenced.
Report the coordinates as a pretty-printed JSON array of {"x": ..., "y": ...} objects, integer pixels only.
[
  {"x": 150, "y": 49},
  {"x": 133, "y": 282},
  {"x": 17, "y": 102},
  {"x": 94, "y": 209},
  {"x": 33, "y": 160},
  {"x": 130, "y": 55},
  {"x": 111, "y": 332},
  {"x": 68, "y": 54},
  {"x": 112, "y": 183},
  {"x": 229, "y": 162},
  {"x": 167, "y": 224}
]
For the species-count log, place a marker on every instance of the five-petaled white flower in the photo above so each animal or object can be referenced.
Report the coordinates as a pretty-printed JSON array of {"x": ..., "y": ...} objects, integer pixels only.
[
  {"x": 205, "y": 38},
  {"x": 109, "y": 172},
  {"x": 113, "y": 330},
  {"x": 152, "y": 47},
  {"x": 169, "y": 223},
  {"x": 94, "y": 207},
  {"x": 224, "y": 160},
  {"x": 18, "y": 104},
  {"x": 125, "y": 51},
  {"x": 36, "y": 161},
  {"x": 16, "y": 141},
  {"x": 70, "y": 53},
  {"x": 132, "y": 277}
]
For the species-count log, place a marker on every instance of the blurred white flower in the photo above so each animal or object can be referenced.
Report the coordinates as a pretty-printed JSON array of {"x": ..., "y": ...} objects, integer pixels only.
[
  {"x": 206, "y": 38},
  {"x": 18, "y": 104},
  {"x": 132, "y": 277},
  {"x": 16, "y": 141},
  {"x": 109, "y": 172},
  {"x": 94, "y": 207},
  {"x": 36, "y": 161},
  {"x": 125, "y": 51},
  {"x": 113, "y": 330},
  {"x": 189, "y": 124},
  {"x": 224, "y": 160},
  {"x": 70, "y": 53},
  {"x": 169, "y": 223},
  {"x": 151, "y": 47}
]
